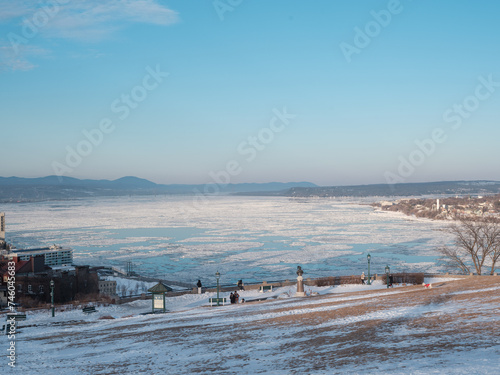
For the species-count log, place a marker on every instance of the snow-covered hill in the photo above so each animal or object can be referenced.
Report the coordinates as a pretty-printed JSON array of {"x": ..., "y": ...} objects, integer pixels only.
[{"x": 449, "y": 329}]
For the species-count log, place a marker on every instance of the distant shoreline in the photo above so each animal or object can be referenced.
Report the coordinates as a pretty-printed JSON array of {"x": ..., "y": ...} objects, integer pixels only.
[
  {"x": 54, "y": 188},
  {"x": 450, "y": 208}
]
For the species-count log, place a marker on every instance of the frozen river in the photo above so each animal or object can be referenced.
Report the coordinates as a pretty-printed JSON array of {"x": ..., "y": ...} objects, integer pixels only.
[{"x": 249, "y": 238}]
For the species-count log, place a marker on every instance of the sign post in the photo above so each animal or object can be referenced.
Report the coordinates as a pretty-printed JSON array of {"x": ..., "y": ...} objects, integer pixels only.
[{"x": 158, "y": 296}]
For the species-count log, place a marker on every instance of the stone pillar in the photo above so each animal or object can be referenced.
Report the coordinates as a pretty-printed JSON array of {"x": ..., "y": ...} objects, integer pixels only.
[{"x": 300, "y": 287}]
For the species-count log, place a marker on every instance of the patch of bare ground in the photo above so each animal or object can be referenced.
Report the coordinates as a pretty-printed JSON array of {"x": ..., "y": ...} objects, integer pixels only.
[
  {"x": 460, "y": 316},
  {"x": 116, "y": 368},
  {"x": 375, "y": 341}
]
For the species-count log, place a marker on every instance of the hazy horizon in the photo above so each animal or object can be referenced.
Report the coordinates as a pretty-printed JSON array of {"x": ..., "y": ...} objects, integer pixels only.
[{"x": 243, "y": 182}]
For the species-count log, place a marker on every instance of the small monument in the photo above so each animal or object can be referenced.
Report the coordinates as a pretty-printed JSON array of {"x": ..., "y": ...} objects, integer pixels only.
[{"x": 300, "y": 283}]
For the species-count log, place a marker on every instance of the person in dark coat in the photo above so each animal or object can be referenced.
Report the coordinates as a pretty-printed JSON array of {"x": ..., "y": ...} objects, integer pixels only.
[
  {"x": 391, "y": 280},
  {"x": 240, "y": 285},
  {"x": 231, "y": 297}
]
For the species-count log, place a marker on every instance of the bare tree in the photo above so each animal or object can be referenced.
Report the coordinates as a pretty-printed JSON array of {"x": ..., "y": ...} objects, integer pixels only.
[
  {"x": 492, "y": 242},
  {"x": 123, "y": 289},
  {"x": 477, "y": 245}
]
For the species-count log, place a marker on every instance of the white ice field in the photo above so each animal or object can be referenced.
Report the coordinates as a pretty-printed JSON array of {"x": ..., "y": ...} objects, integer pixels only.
[{"x": 249, "y": 238}]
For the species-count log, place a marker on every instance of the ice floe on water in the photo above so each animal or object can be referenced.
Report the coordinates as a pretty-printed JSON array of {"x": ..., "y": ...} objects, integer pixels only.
[{"x": 242, "y": 237}]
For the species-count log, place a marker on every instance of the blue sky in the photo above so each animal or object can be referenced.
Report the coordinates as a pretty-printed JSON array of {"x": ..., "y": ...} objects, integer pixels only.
[{"x": 362, "y": 83}]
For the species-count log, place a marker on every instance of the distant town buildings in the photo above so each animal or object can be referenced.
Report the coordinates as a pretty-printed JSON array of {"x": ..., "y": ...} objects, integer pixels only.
[
  {"x": 35, "y": 269},
  {"x": 2, "y": 226},
  {"x": 386, "y": 203},
  {"x": 32, "y": 266},
  {"x": 107, "y": 288},
  {"x": 447, "y": 208},
  {"x": 33, "y": 277},
  {"x": 53, "y": 255},
  {"x": 2, "y": 230}
]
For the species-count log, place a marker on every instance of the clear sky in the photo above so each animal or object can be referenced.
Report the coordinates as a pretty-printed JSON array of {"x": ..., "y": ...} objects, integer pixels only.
[{"x": 332, "y": 92}]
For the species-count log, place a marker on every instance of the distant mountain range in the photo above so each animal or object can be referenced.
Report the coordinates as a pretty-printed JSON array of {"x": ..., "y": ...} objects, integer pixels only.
[{"x": 18, "y": 189}]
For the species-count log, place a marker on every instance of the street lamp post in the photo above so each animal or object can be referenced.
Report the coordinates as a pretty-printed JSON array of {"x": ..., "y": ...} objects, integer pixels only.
[
  {"x": 369, "y": 257},
  {"x": 387, "y": 270},
  {"x": 52, "y": 296},
  {"x": 217, "y": 276}
]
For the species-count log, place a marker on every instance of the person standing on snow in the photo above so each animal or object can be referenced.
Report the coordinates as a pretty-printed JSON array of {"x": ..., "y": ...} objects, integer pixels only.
[
  {"x": 236, "y": 296},
  {"x": 363, "y": 278},
  {"x": 240, "y": 285}
]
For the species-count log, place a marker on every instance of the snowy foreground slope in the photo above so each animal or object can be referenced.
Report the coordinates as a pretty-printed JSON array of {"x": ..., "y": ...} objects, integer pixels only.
[{"x": 452, "y": 328}]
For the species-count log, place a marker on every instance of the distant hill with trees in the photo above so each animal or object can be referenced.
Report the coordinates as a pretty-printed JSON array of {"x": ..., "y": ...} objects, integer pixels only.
[
  {"x": 17, "y": 189},
  {"x": 450, "y": 188}
]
